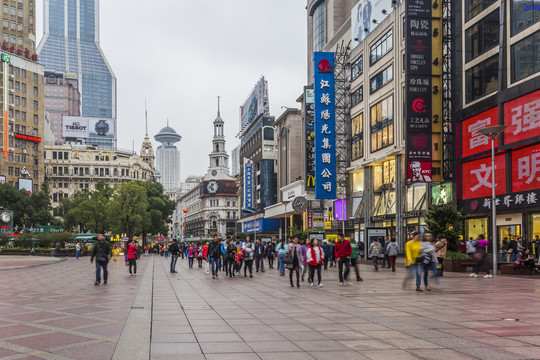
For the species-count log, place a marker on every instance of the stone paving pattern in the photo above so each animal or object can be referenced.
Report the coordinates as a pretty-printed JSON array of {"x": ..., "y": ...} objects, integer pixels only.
[{"x": 54, "y": 312}]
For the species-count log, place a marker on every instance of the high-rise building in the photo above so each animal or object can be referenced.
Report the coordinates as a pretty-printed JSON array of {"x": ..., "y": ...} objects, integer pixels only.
[
  {"x": 168, "y": 159},
  {"x": 62, "y": 98},
  {"x": 21, "y": 162},
  {"x": 70, "y": 45}
]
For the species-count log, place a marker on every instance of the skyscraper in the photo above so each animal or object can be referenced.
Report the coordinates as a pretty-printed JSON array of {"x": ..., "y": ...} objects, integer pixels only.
[
  {"x": 70, "y": 45},
  {"x": 168, "y": 159}
]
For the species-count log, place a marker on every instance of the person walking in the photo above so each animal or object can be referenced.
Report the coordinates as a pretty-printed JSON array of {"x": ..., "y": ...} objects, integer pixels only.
[
  {"x": 102, "y": 252},
  {"x": 190, "y": 253},
  {"x": 175, "y": 251},
  {"x": 480, "y": 257},
  {"x": 471, "y": 248},
  {"x": 354, "y": 258},
  {"x": 342, "y": 254},
  {"x": 326, "y": 248},
  {"x": 332, "y": 254},
  {"x": 77, "y": 251},
  {"x": 304, "y": 248},
  {"x": 225, "y": 255},
  {"x": 260, "y": 254},
  {"x": 146, "y": 248},
  {"x": 214, "y": 256},
  {"x": 429, "y": 258},
  {"x": 315, "y": 259},
  {"x": 441, "y": 246},
  {"x": 270, "y": 254},
  {"x": 295, "y": 252},
  {"x": 392, "y": 250},
  {"x": 249, "y": 250},
  {"x": 231, "y": 261},
  {"x": 375, "y": 251},
  {"x": 132, "y": 257},
  {"x": 413, "y": 261},
  {"x": 281, "y": 249}
]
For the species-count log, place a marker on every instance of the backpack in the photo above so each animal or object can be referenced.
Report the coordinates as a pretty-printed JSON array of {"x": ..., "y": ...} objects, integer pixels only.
[{"x": 376, "y": 249}]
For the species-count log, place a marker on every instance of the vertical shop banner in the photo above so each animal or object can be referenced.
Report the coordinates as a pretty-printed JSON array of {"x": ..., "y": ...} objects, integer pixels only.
[
  {"x": 248, "y": 186},
  {"x": 309, "y": 125},
  {"x": 325, "y": 126}
]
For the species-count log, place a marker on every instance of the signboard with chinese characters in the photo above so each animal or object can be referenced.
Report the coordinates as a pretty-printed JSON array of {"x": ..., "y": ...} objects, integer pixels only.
[
  {"x": 418, "y": 39},
  {"x": 522, "y": 118},
  {"x": 309, "y": 125},
  {"x": 514, "y": 201},
  {"x": 526, "y": 168},
  {"x": 472, "y": 141},
  {"x": 476, "y": 177},
  {"x": 249, "y": 201},
  {"x": 261, "y": 225},
  {"x": 325, "y": 126},
  {"x": 318, "y": 220}
]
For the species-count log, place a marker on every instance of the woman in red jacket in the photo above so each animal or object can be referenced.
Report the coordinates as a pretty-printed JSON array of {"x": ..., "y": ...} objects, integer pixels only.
[
  {"x": 132, "y": 257},
  {"x": 315, "y": 258}
]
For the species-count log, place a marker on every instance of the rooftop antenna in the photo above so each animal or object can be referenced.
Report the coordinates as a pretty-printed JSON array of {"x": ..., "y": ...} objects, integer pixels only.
[
  {"x": 218, "y": 112},
  {"x": 167, "y": 122},
  {"x": 146, "y": 116}
]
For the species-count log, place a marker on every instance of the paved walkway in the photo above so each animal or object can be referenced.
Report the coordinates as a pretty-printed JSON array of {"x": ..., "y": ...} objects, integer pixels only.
[{"x": 54, "y": 312}]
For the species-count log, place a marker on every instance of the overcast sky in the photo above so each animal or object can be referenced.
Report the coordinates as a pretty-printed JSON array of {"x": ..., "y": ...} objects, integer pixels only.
[{"x": 181, "y": 54}]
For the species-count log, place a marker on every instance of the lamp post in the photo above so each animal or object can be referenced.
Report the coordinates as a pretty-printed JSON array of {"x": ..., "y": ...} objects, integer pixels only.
[
  {"x": 285, "y": 202},
  {"x": 492, "y": 132}
]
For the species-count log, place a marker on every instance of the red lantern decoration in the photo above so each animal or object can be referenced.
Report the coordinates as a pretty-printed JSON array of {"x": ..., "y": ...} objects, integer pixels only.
[{"x": 185, "y": 210}]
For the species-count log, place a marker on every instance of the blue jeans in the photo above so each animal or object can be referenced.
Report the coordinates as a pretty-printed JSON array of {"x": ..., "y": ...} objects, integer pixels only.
[
  {"x": 77, "y": 253},
  {"x": 431, "y": 266},
  {"x": 281, "y": 265},
  {"x": 513, "y": 256},
  {"x": 174, "y": 259},
  {"x": 214, "y": 263},
  {"x": 98, "y": 271},
  {"x": 414, "y": 270}
]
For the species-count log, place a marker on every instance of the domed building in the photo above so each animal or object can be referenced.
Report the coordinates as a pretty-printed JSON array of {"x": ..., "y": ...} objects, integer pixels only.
[{"x": 168, "y": 158}]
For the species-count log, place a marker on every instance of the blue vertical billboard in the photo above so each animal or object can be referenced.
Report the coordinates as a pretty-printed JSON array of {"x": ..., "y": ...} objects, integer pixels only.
[
  {"x": 325, "y": 126},
  {"x": 248, "y": 186}
]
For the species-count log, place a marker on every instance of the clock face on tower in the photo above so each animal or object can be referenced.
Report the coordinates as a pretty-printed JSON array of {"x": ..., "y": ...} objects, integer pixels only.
[
  {"x": 5, "y": 217},
  {"x": 214, "y": 172},
  {"x": 212, "y": 187}
]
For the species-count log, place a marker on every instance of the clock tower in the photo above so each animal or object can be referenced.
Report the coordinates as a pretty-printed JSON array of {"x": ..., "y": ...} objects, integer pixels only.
[{"x": 219, "y": 159}]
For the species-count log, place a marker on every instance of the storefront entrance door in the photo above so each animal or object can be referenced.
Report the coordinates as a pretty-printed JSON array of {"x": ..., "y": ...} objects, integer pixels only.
[{"x": 507, "y": 231}]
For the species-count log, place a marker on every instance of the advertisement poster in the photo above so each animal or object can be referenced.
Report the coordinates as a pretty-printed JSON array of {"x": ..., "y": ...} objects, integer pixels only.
[
  {"x": 526, "y": 169},
  {"x": 309, "y": 121},
  {"x": 103, "y": 128},
  {"x": 366, "y": 16},
  {"x": 75, "y": 127},
  {"x": 522, "y": 118},
  {"x": 477, "y": 180},
  {"x": 472, "y": 141},
  {"x": 254, "y": 106}
]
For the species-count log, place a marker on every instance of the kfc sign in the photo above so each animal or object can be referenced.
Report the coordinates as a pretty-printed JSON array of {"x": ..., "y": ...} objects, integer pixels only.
[
  {"x": 526, "y": 169},
  {"x": 522, "y": 118},
  {"x": 473, "y": 141},
  {"x": 476, "y": 177}
]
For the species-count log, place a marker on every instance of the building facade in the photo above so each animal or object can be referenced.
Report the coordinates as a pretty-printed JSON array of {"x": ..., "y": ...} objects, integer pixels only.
[
  {"x": 69, "y": 168},
  {"x": 70, "y": 45},
  {"x": 498, "y": 83},
  {"x": 62, "y": 98},
  {"x": 19, "y": 26},
  {"x": 212, "y": 204},
  {"x": 168, "y": 159}
]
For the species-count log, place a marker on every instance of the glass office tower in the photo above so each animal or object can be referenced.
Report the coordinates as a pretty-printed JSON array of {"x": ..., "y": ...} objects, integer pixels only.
[{"x": 70, "y": 44}]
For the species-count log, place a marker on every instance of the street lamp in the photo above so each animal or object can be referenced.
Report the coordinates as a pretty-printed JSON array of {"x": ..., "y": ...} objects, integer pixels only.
[
  {"x": 285, "y": 202},
  {"x": 492, "y": 132}
]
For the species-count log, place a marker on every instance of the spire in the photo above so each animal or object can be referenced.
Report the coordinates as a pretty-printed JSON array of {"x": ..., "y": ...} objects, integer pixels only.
[
  {"x": 218, "y": 112},
  {"x": 146, "y": 117},
  {"x": 167, "y": 121}
]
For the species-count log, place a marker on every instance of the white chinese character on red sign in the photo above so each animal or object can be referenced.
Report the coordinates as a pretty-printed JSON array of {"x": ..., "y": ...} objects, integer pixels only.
[
  {"x": 482, "y": 176},
  {"x": 478, "y": 139},
  {"x": 526, "y": 117},
  {"x": 528, "y": 167}
]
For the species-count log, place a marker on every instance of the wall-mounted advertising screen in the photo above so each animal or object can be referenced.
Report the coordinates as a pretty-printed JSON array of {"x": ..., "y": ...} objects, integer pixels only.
[
  {"x": 477, "y": 180},
  {"x": 255, "y": 105},
  {"x": 366, "y": 16},
  {"x": 218, "y": 188},
  {"x": 526, "y": 168},
  {"x": 522, "y": 118}
]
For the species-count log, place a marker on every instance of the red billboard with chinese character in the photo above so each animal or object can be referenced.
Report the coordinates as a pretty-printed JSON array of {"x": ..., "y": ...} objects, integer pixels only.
[
  {"x": 522, "y": 118},
  {"x": 473, "y": 141},
  {"x": 476, "y": 177},
  {"x": 526, "y": 169}
]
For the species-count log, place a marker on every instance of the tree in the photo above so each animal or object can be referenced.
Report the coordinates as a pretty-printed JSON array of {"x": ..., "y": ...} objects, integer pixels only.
[
  {"x": 160, "y": 209},
  {"x": 40, "y": 211},
  {"x": 128, "y": 208},
  {"x": 445, "y": 220},
  {"x": 70, "y": 213}
]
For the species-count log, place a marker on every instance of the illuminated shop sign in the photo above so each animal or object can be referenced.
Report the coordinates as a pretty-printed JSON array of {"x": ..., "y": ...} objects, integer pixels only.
[
  {"x": 522, "y": 118},
  {"x": 28, "y": 138},
  {"x": 474, "y": 142},
  {"x": 476, "y": 177}
]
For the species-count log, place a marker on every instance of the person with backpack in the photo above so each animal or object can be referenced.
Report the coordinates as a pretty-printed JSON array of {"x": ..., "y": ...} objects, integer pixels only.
[
  {"x": 249, "y": 252},
  {"x": 392, "y": 250},
  {"x": 102, "y": 252},
  {"x": 175, "y": 251},
  {"x": 270, "y": 254},
  {"x": 375, "y": 250}
]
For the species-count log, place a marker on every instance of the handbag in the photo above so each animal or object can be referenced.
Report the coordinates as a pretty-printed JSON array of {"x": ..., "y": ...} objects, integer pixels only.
[{"x": 287, "y": 258}]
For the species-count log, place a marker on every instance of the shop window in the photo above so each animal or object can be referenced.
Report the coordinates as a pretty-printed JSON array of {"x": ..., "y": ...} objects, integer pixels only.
[
  {"x": 357, "y": 136},
  {"x": 481, "y": 79},
  {"x": 482, "y": 36},
  {"x": 319, "y": 31},
  {"x": 357, "y": 68},
  {"x": 385, "y": 203},
  {"x": 475, "y": 227},
  {"x": 357, "y": 96},
  {"x": 382, "y": 124},
  {"x": 416, "y": 197},
  {"x": 475, "y": 7},
  {"x": 381, "y": 79},
  {"x": 384, "y": 175},
  {"x": 524, "y": 14},
  {"x": 526, "y": 57}
]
